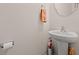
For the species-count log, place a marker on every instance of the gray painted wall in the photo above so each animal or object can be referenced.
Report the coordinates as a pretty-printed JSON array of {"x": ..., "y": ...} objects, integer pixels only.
[{"x": 20, "y": 23}]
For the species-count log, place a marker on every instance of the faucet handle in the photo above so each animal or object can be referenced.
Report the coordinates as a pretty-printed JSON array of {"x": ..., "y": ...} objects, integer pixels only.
[{"x": 62, "y": 29}]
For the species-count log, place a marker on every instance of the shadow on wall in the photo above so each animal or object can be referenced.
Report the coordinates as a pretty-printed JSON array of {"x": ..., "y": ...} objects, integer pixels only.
[{"x": 3, "y": 51}]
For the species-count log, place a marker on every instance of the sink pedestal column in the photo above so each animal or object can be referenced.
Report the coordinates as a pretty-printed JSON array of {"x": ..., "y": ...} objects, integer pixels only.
[{"x": 62, "y": 47}]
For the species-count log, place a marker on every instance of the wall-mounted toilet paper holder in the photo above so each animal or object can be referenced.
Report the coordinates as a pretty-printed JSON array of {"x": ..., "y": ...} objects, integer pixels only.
[{"x": 3, "y": 44}]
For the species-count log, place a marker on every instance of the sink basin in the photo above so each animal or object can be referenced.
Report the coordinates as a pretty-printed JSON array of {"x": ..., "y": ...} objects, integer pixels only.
[{"x": 69, "y": 37}]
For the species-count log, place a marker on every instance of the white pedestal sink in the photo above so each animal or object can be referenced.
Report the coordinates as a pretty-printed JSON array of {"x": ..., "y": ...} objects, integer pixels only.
[{"x": 62, "y": 39}]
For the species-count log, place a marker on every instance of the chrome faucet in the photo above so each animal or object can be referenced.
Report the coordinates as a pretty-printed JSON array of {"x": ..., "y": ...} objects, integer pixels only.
[{"x": 62, "y": 29}]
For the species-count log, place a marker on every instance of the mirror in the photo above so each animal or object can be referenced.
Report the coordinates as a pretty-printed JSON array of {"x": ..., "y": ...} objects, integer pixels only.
[{"x": 65, "y": 9}]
